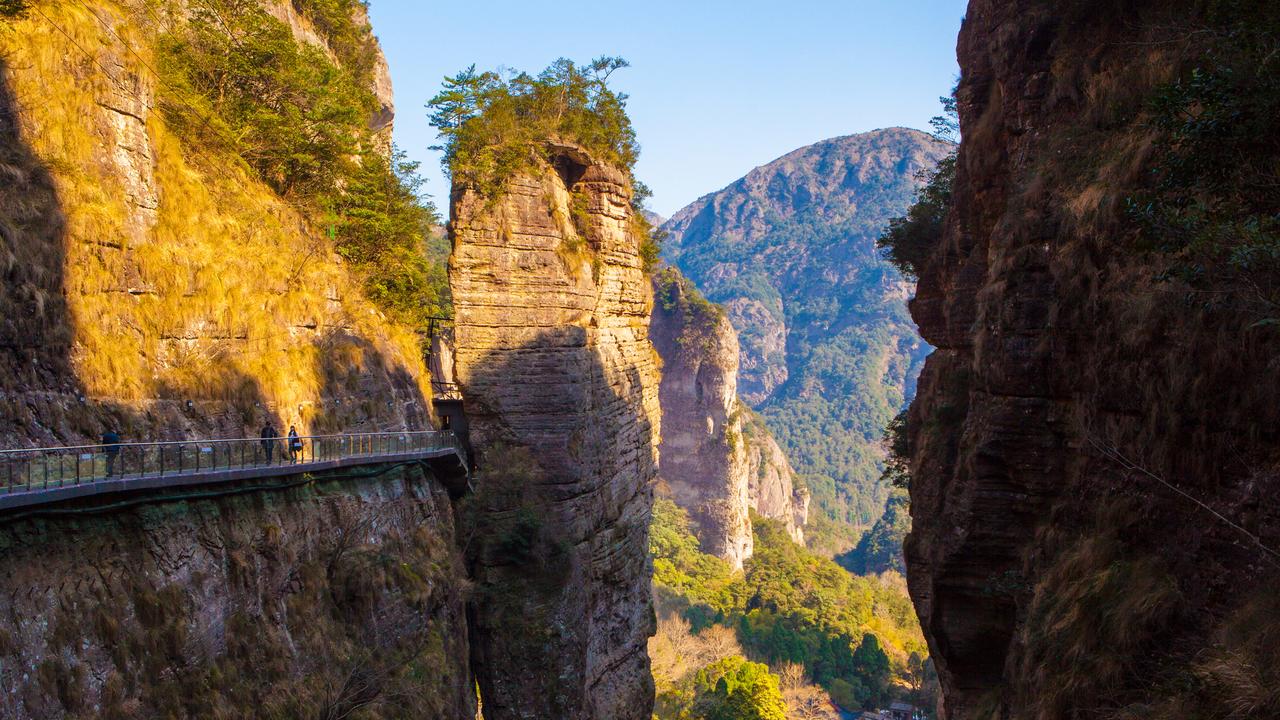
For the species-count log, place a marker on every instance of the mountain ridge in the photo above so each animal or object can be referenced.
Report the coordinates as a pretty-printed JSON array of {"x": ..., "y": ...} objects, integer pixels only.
[{"x": 828, "y": 354}]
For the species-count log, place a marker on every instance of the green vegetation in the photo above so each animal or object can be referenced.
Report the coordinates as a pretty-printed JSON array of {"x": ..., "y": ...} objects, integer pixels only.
[
  {"x": 910, "y": 239},
  {"x": 736, "y": 689},
  {"x": 494, "y": 127},
  {"x": 700, "y": 318},
  {"x": 880, "y": 549},
  {"x": 854, "y": 636},
  {"x": 1213, "y": 206},
  {"x": 13, "y": 8},
  {"x": 237, "y": 83},
  {"x": 351, "y": 41}
]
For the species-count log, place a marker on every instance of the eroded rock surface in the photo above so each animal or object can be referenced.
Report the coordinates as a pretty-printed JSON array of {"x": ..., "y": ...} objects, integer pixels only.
[
  {"x": 1089, "y": 430},
  {"x": 561, "y": 385},
  {"x": 703, "y": 454},
  {"x": 307, "y": 601}
]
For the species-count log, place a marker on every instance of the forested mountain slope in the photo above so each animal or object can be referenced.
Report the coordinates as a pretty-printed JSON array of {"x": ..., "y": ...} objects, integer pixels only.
[{"x": 827, "y": 349}]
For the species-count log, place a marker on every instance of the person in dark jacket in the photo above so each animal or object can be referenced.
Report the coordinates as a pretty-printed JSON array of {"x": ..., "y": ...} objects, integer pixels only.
[
  {"x": 295, "y": 444},
  {"x": 268, "y": 441},
  {"x": 111, "y": 446}
]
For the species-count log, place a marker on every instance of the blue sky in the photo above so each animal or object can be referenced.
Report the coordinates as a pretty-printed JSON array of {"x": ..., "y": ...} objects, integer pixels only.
[{"x": 716, "y": 87}]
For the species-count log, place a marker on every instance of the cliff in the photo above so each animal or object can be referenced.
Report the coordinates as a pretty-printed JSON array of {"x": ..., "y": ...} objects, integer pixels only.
[
  {"x": 828, "y": 354},
  {"x": 317, "y": 598},
  {"x": 1093, "y": 471},
  {"x": 153, "y": 280},
  {"x": 561, "y": 384},
  {"x": 703, "y": 453},
  {"x": 718, "y": 460},
  {"x": 774, "y": 489}
]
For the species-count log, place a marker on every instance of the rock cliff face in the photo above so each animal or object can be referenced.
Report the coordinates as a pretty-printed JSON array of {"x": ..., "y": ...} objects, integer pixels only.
[
  {"x": 774, "y": 490},
  {"x": 152, "y": 285},
  {"x": 316, "y": 599},
  {"x": 561, "y": 383},
  {"x": 718, "y": 459},
  {"x": 703, "y": 453},
  {"x": 828, "y": 354},
  {"x": 1093, "y": 477}
]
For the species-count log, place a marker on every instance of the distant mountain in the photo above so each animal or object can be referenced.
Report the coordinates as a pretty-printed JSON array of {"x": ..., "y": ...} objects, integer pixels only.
[{"x": 828, "y": 353}]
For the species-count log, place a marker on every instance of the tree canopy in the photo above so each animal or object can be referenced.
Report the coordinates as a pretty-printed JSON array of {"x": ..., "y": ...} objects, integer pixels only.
[{"x": 493, "y": 125}]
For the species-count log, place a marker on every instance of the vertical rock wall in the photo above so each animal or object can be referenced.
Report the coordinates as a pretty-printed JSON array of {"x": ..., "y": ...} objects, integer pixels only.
[
  {"x": 561, "y": 387},
  {"x": 1093, "y": 475},
  {"x": 718, "y": 460},
  {"x": 323, "y": 597},
  {"x": 703, "y": 456}
]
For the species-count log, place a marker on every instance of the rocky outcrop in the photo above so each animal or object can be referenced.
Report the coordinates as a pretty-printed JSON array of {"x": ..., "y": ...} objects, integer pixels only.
[
  {"x": 123, "y": 306},
  {"x": 703, "y": 454},
  {"x": 318, "y": 598},
  {"x": 718, "y": 459},
  {"x": 773, "y": 487},
  {"x": 561, "y": 385},
  {"x": 1093, "y": 442}
]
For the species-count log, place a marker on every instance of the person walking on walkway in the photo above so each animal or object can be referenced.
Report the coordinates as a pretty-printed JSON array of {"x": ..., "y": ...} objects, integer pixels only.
[
  {"x": 268, "y": 441},
  {"x": 111, "y": 446},
  {"x": 295, "y": 444}
]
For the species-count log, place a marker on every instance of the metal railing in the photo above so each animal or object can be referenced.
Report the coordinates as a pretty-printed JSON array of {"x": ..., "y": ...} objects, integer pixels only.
[{"x": 33, "y": 469}]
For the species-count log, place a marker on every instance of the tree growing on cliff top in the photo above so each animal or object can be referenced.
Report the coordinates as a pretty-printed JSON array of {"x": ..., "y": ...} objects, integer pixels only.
[{"x": 493, "y": 126}]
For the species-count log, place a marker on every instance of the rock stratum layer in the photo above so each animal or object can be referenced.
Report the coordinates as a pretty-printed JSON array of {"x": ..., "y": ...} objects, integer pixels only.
[
  {"x": 153, "y": 283},
  {"x": 718, "y": 460},
  {"x": 561, "y": 385},
  {"x": 318, "y": 599},
  {"x": 1094, "y": 472}
]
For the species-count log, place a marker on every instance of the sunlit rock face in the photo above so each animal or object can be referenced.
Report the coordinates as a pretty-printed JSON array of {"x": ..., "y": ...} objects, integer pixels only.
[{"x": 561, "y": 386}]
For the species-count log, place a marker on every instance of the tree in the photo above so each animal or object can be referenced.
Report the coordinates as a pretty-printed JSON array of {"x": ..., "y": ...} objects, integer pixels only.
[
  {"x": 737, "y": 689},
  {"x": 493, "y": 126}
]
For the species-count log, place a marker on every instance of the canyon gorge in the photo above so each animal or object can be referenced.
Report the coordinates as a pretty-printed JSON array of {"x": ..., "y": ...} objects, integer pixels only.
[{"x": 675, "y": 487}]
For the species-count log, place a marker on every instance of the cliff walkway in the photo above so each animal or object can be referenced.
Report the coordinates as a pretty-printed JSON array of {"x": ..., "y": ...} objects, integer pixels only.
[{"x": 34, "y": 477}]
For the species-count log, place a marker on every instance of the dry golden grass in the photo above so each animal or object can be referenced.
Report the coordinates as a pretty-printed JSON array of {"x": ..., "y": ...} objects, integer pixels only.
[{"x": 224, "y": 292}]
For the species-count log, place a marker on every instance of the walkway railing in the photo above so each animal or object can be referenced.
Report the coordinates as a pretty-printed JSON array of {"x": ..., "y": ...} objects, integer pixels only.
[{"x": 44, "y": 468}]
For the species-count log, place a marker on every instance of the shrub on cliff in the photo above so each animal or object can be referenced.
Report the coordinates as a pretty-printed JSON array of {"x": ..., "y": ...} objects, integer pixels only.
[
  {"x": 237, "y": 83},
  {"x": 1213, "y": 204},
  {"x": 909, "y": 240},
  {"x": 494, "y": 126},
  {"x": 12, "y": 8}
]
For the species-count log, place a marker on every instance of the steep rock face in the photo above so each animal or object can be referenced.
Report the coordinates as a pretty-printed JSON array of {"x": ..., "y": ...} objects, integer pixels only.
[
  {"x": 561, "y": 386},
  {"x": 703, "y": 457},
  {"x": 153, "y": 286},
  {"x": 1093, "y": 474},
  {"x": 772, "y": 485},
  {"x": 828, "y": 354},
  {"x": 311, "y": 600}
]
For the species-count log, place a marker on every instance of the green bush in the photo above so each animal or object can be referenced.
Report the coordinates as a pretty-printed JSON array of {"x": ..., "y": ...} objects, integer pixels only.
[
  {"x": 1212, "y": 205},
  {"x": 237, "y": 83},
  {"x": 13, "y": 8},
  {"x": 494, "y": 127}
]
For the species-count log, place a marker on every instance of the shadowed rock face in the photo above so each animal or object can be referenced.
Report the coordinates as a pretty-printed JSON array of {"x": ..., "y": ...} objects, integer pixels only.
[
  {"x": 561, "y": 384},
  {"x": 1056, "y": 572}
]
